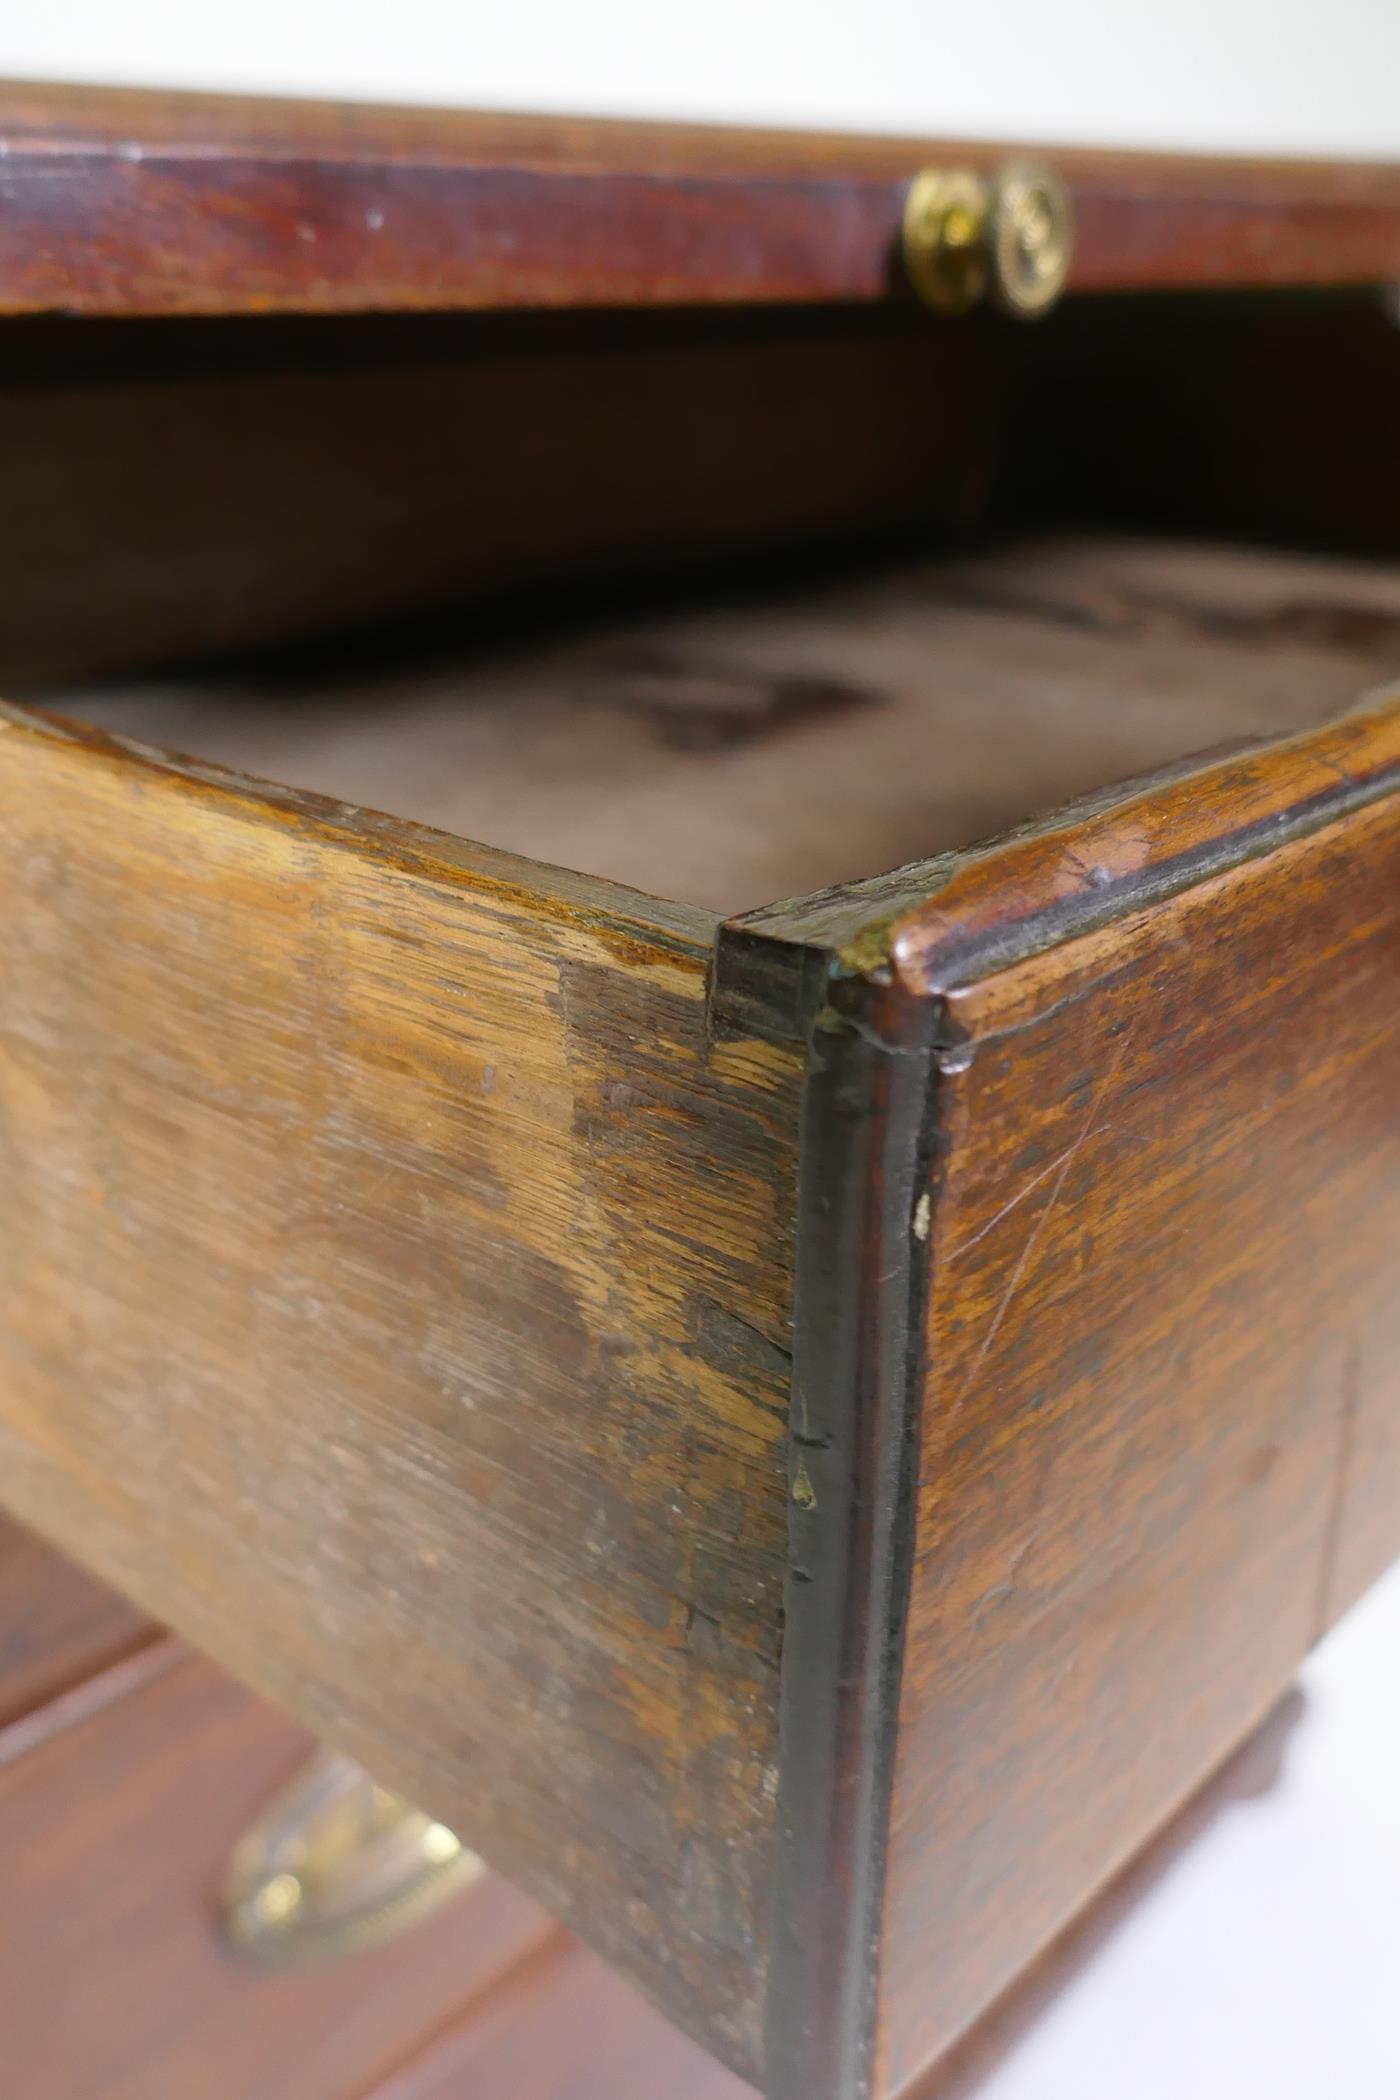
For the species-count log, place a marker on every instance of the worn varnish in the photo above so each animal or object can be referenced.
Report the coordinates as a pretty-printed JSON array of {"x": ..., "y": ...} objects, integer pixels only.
[
  {"x": 395, "y": 1287},
  {"x": 802, "y": 1429},
  {"x": 121, "y": 201}
]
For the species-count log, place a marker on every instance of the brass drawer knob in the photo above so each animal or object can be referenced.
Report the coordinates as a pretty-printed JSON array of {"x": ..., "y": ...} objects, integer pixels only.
[
  {"x": 966, "y": 237},
  {"x": 336, "y": 1864}
]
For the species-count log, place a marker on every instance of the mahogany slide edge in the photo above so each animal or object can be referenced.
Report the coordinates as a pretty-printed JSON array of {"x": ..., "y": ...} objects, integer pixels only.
[{"x": 128, "y": 202}]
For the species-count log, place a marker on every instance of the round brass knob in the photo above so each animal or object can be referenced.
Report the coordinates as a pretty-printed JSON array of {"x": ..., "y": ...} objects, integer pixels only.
[
  {"x": 945, "y": 237},
  {"x": 1031, "y": 240},
  {"x": 965, "y": 237}
]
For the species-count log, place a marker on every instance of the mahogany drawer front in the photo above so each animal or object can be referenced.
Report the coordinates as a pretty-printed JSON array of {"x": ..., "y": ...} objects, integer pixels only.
[
  {"x": 115, "y": 1979},
  {"x": 57, "y": 1626},
  {"x": 562, "y": 2027}
]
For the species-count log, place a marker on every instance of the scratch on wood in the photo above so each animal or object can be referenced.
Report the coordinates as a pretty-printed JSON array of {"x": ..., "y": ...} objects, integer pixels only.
[
  {"x": 1091, "y": 1123},
  {"x": 1061, "y": 1159}
]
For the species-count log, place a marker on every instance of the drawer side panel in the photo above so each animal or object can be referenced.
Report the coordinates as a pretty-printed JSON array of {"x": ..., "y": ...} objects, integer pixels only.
[{"x": 394, "y": 1300}]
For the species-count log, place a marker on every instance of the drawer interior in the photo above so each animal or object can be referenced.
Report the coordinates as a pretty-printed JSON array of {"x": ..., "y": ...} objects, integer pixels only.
[
  {"x": 727, "y": 753},
  {"x": 725, "y": 607}
]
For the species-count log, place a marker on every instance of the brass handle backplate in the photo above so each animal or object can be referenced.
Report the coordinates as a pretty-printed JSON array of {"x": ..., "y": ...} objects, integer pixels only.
[
  {"x": 336, "y": 1864},
  {"x": 1009, "y": 237}
]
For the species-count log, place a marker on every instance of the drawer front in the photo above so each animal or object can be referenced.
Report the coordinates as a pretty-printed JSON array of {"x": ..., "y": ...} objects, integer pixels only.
[
  {"x": 57, "y": 1626},
  {"x": 115, "y": 1981},
  {"x": 1162, "y": 1368},
  {"x": 564, "y": 2028},
  {"x": 1103, "y": 1430}
]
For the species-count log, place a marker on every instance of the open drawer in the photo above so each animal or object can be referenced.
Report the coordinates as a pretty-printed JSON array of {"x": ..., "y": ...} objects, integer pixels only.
[{"x": 801, "y": 1429}]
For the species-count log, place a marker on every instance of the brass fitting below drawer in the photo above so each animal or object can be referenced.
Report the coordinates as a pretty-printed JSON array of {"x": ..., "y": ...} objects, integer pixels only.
[{"x": 336, "y": 1864}]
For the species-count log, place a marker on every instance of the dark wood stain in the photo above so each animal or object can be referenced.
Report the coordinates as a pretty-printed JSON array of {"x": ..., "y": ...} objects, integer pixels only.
[
  {"x": 1202, "y": 414},
  {"x": 695, "y": 707}
]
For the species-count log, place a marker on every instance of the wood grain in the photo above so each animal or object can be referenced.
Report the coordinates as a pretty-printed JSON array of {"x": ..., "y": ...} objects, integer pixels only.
[
  {"x": 129, "y": 202},
  {"x": 57, "y": 1626},
  {"x": 395, "y": 1291},
  {"x": 1171, "y": 1145},
  {"x": 114, "y": 1983},
  {"x": 1106, "y": 1161}
]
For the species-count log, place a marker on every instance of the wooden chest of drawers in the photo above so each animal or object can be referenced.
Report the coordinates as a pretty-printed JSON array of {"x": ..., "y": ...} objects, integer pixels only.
[
  {"x": 122, "y": 1799},
  {"x": 802, "y": 1430}
]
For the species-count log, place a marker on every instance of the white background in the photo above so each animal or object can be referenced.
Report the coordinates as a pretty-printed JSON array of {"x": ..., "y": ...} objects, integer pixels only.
[
  {"x": 1258, "y": 1961},
  {"x": 1255, "y": 1957},
  {"x": 1308, "y": 76}
]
